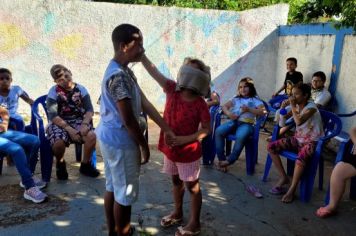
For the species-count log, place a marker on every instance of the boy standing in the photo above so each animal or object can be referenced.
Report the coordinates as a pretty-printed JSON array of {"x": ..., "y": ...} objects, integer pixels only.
[{"x": 119, "y": 133}]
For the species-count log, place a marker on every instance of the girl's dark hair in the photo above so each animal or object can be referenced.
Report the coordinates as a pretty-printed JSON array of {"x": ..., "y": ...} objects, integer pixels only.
[
  {"x": 124, "y": 33},
  {"x": 251, "y": 86},
  {"x": 305, "y": 88},
  {"x": 4, "y": 70}
]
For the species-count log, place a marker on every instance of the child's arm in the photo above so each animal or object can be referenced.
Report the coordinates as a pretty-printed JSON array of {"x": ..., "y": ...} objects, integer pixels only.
[
  {"x": 259, "y": 111},
  {"x": 199, "y": 135},
  {"x": 4, "y": 115},
  {"x": 353, "y": 134},
  {"x": 151, "y": 111},
  {"x": 214, "y": 100},
  {"x": 300, "y": 118},
  {"x": 279, "y": 90},
  {"x": 226, "y": 109},
  {"x": 26, "y": 98},
  {"x": 154, "y": 72}
]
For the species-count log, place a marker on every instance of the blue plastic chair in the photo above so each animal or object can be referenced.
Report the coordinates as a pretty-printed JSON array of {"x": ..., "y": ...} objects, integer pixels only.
[
  {"x": 251, "y": 145},
  {"x": 46, "y": 155},
  {"x": 208, "y": 143},
  {"x": 332, "y": 127}
]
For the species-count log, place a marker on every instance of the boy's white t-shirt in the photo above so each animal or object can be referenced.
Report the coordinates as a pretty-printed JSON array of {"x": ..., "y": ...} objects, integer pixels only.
[
  {"x": 251, "y": 102},
  {"x": 11, "y": 101}
]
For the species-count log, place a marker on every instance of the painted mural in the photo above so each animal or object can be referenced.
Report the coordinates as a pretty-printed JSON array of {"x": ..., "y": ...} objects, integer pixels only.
[{"x": 36, "y": 34}]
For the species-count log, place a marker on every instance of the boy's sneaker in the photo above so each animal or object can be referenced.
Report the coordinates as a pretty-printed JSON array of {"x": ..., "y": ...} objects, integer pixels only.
[
  {"x": 88, "y": 170},
  {"x": 38, "y": 183},
  {"x": 61, "y": 170},
  {"x": 35, "y": 195}
]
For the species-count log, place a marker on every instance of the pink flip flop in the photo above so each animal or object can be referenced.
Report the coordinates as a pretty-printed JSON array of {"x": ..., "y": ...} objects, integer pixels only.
[
  {"x": 277, "y": 190},
  {"x": 254, "y": 191}
]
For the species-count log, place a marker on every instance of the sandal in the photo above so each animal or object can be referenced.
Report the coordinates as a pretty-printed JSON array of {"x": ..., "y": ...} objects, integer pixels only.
[
  {"x": 168, "y": 221},
  {"x": 323, "y": 212},
  {"x": 277, "y": 190},
  {"x": 182, "y": 232},
  {"x": 254, "y": 191}
]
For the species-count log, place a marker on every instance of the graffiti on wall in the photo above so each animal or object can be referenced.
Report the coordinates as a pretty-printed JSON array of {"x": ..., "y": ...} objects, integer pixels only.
[{"x": 77, "y": 34}]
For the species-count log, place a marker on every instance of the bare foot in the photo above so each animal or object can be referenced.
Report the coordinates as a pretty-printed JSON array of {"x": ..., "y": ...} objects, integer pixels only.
[
  {"x": 288, "y": 197},
  {"x": 219, "y": 167},
  {"x": 282, "y": 181},
  {"x": 223, "y": 163}
]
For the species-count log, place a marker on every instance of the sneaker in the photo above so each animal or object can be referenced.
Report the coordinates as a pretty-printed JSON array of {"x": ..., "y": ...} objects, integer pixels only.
[
  {"x": 61, "y": 171},
  {"x": 35, "y": 195},
  {"x": 88, "y": 170},
  {"x": 38, "y": 183}
]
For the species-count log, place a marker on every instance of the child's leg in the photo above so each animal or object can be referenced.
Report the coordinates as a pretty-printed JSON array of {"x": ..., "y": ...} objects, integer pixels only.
[
  {"x": 122, "y": 216},
  {"x": 304, "y": 155},
  {"x": 273, "y": 149},
  {"x": 196, "y": 202},
  {"x": 220, "y": 135},
  {"x": 109, "y": 211},
  {"x": 178, "y": 194},
  {"x": 342, "y": 172}
]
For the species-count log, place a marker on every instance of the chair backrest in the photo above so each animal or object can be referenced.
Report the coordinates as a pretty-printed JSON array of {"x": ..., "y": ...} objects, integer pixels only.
[
  {"x": 36, "y": 119},
  {"x": 331, "y": 123}
]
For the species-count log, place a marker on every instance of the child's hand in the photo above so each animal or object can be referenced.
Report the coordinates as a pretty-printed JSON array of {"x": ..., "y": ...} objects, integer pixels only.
[
  {"x": 145, "y": 154},
  {"x": 244, "y": 109},
  {"x": 285, "y": 103},
  {"x": 181, "y": 140},
  {"x": 232, "y": 116},
  {"x": 292, "y": 100},
  {"x": 169, "y": 138}
]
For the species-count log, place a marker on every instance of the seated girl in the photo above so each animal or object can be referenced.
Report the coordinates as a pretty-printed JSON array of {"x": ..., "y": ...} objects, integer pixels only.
[
  {"x": 309, "y": 128},
  {"x": 343, "y": 171},
  {"x": 242, "y": 111}
]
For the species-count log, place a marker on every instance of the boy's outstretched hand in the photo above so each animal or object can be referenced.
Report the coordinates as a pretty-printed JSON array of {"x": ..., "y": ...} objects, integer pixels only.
[{"x": 169, "y": 138}]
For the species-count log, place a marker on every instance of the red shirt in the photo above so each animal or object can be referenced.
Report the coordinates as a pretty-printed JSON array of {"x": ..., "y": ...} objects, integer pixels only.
[{"x": 184, "y": 118}]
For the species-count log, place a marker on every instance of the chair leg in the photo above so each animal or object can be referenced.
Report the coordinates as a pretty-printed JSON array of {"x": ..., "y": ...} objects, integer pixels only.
[
  {"x": 290, "y": 167},
  {"x": 250, "y": 153},
  {"x": 353, "y": 188},
  {"x": 1, "y": 163},
  {"x": 228, "y": 147},
  {"x": 267, "y": 168},
  {"x": 93, "y": 158},
  {"x": 78, "y": 152},
  {"x": 46, "y": 157}
]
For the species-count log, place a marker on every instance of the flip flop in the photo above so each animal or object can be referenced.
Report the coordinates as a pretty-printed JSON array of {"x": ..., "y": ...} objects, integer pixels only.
[
  {"x": 277, "y": 190},
  {"x": 183, "y": 232},
  {"x": 254, "y": 191},
  {"x": 168, "y": 221},
  {"x": 323, "y": 212}
]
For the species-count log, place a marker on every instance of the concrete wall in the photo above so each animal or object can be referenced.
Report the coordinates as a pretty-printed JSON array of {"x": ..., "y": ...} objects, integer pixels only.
[
  {"x": 37, "y": 34},
  {"x": 346, "y": 86}
]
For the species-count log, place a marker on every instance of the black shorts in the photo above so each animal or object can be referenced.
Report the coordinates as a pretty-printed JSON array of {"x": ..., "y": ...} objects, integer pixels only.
[{"x": 348, "y": 157}]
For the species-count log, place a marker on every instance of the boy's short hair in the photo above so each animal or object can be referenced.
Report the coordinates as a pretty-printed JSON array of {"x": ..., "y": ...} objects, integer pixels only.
[
  {"x": 293, "y": 59},
  {"x": 4, "y": 70},
  {"x": 124, "y": 33},
  {"x": 56, "y": 69},
  {"x": 321, "y": 75}
]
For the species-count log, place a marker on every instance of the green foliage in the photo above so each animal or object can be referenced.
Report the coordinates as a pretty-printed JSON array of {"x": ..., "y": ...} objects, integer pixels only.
[
  {"x": 326, "y": 11},
  {"x": 300, "y": 11}
]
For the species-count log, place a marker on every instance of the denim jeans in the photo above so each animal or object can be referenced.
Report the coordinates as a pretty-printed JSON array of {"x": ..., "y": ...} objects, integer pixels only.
[
  {"x": 23, "y": 148},
  {"x": 242, "y": 132}
]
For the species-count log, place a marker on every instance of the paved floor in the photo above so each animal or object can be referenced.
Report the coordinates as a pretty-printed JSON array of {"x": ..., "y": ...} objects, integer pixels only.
[{"x": 76, "y": 206}]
